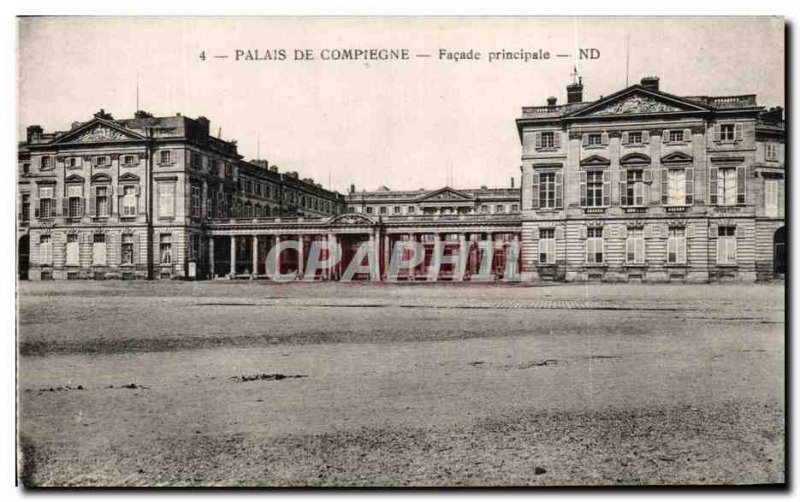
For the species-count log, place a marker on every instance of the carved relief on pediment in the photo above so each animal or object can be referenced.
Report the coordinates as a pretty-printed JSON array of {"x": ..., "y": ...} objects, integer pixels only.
[
  {"x": 100, "y": 133},
  {"x": 636, "y": 104}
]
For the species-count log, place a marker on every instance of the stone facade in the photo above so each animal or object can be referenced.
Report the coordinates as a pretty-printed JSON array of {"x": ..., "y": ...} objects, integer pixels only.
[{"x": 643, "y": 185}]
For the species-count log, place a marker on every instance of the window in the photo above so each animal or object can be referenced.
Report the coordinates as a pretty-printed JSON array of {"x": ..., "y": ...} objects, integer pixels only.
[
  {"x": 771, "y": 198},
  {"x": 73, "y": 256},
  {"x": 129, "y": 160},
  {"x": 228, "y": 171},
  {"x": 166, "y": 200},
  {"x": 727, "y": 132},
  {"x": 25, "y": 207},
  {"x": 676, "y": 136},
  {"x": 101, "y": 202},
  {"x": 726, "y": 245},
  {"x": 396, "y": 209},
  {"x": 351, "y": 209},
  {"x": 548, "y": 140},
  {"x": 632, "y": 193},
  {"x": 547, "y": 245},
  {"x": 46, "y": 202},
  {"x": 45, "y": 250},
  {"x": 726, "y": 183},
  {"x": 771, "y": 151},
  {"x": 594, "y": 188},
  {"x": 411, "y": 210},
  {"x": 127, "y": 249},
  {"x": 369, "y": 209},
  {"x": 129, "y": 200},
  {"x": 634, "y": 245},
  {"x": 594, "y": 245},
  {"x": 214, "y": 166},
  {"x": 383, "y": 210},
  {"x": 166, "y": 157},
  {"x": 26, "y": 167},
  {"x": 499, "y": 208},
  {"x": 99, "y": 249},
  {"x": 484, "y": 209},
  {"x": 676, "y": 245},
  {"x": 635, "y": 138},
  {"x": 676, "y": 187},
  {"x": 71, "y": 162},
  {"x": 165, "y": 248},
  {"x": 74, "y": 201},
  {"x": 514, "y": 208},
  {"x": 102, "y": 161},
  {"x": 196, "y": 201},
  {"x": 547, "y": 190},
  {"x": 595, "y": 139},
  {"x": 47, "y": 163}
]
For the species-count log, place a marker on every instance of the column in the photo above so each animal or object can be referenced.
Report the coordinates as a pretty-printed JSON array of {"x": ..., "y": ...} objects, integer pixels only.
[
  {"x": 211, "y": 256},
  {"x": 277, "y": 254},
  {"x": 301, "y": 255},
  {"x": 255, "y": 255},
  {"x": 386, "y": 255},
  {"x": 463, "y": 253},
  {"x": 233, "y": 256},
  {"x": 330, "y": 273}
]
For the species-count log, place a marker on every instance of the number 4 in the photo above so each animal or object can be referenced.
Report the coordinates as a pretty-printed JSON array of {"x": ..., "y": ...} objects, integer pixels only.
[{"x": 203, "y": 56}]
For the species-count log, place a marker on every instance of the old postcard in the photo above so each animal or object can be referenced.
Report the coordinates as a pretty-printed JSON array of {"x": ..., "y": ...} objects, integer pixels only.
[{"x": 400, "y": 252}]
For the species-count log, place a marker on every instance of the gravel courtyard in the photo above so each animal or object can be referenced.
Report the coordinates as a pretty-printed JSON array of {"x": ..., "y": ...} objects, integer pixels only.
[{"x": 256, "y": 384}]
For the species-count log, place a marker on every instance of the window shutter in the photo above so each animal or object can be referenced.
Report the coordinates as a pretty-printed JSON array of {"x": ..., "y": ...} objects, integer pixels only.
[
  {"x": 535, "y": 233},
  {"x": 738, "y": 135},
  {"x": 559, "y": 189},
  {"x": 623, "y": 231},
  {"x": 64, "y": 206},
  {"x": 91, "y": 209},
  {"x": 690, "y": 231},
  {"x": 138, "y": 190},
  {"x": 583, "y": 188},
  {"x": 606, "y": 188},
  {"x": 648, "y": 231},
  {"x": 559, "y": 233},
  {"x": 741, "y": 184},
  {"x": 717, "y": 133},
  {"x": 138, "y": 256},
  {"x": 645, "y": 137},
  {"x": 781, "y": 201},
  {"x": 585, "y": 140},
  {"x": 689, "y": 173},
  {"x": 713, "y": 173},
  {"x": 665, "y": 136},
  {"x": 557, "y": 139},
  {"x": 583, "y": 232},
  {"x": 535, "y": 191},
  {"x": 647, "y": 175},
  {"x": 623, "y": 188},
  {"x": 687, "y": 135},
  {"x": 605, "y": 138},
  {"x": 537, "y": 140},
  {"x": 664, "y": 186},
  {"x": 624, "y": 138},
  {"x": 606, "y": 231}
]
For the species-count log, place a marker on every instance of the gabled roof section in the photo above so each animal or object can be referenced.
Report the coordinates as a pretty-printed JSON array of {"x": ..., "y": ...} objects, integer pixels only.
[
  {"x": 98, "y": 130},
  {"x": 444, "y": 194},
  {"x": 595, "y": 160},
  {"x": 676, "y": 158},
  {"x": 636, "y": 100},
  {"x": 128, "y": 177},
  {"x": 74, "y": 178}
]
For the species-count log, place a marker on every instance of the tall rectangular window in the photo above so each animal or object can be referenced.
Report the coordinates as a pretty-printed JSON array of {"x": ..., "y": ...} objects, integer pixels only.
[
  {"x": 594, "y": 188},
  {"x": 166, "y": 200},
  {"x": 771, "y": 198},
  {"x": 128, "y": 200},
  {"x": 75, "y": 201},
  {"x": 165, "y": 248},
  {"x": 676, "y": 245},
  {"x": 101, "y": 202},
  {"x": 25, "y": 207},
  {"x": 634, "y": 188},
  {"x": 46, "y": 202},
  {"x": 634, "y": 245},
  {"x": 45, "y": 250},
  {"x": 73, "y": 256},
  {"x": 127, "y": 249},
  {"x": 99, "y": 249},
  {"x": 548, "y": 140},
  {"x": 727, "y": 132},
  {"x": 547, "y": 190},
  {"x": 196, "y": 201},
  {"x": 771, "y": 151},
  {"x": 726, "y": 245},
  {"x": 166, "y": 157},
  {"x": 547, "y": 245},
  {"x": 726, "y": 183},
  {"x": 676, "y": 187},
  {"x": 594, "y": 245}
]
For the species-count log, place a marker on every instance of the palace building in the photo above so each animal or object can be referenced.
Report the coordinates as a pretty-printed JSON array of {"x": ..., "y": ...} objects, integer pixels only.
[{"x": 641, "y": 185}]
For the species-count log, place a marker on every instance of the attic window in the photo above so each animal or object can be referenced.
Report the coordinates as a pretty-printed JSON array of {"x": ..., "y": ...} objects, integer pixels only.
[
  {"x": 727, "y": 132},
  {"x": 676, "y": 136},
  {"x": 548, "y": 140},
  {"x": 595, "y": 139},
  {"x": 635, "y": 137}
]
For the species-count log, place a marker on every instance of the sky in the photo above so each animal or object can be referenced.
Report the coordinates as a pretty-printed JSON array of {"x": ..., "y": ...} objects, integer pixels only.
[{"x": 404, "y": 124}]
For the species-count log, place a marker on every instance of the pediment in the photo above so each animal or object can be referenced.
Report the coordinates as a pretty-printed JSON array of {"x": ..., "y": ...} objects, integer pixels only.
[
  {"x": 595, "y": 160},
  {"x": 676, "y": 158},
  {"x": 101, "y": 177},
  {"x": 634, "y": 158},
  {"x": 351, "y": 219},
  {"x": 98, "y": 131},
  {"x": 636, "y": 100},
  {"x": 445, "y": 194},
  {"x": 128, "y": 177},
  {"x": 74, "y": 178}
]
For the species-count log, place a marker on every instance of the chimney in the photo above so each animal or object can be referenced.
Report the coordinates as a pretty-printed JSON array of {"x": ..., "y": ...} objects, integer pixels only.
[
  {"x": 575, "y": 92},
  {"x": 274, "y": 169},
  {"x": 551, "y": 101},
  {"x": 352, "y": 188},
  {"x": 34, "y": 133},
  {"x": 512, "y": 182},
  {"x": 204, "y": 124},
  {"x": 650, "y": 83}
]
